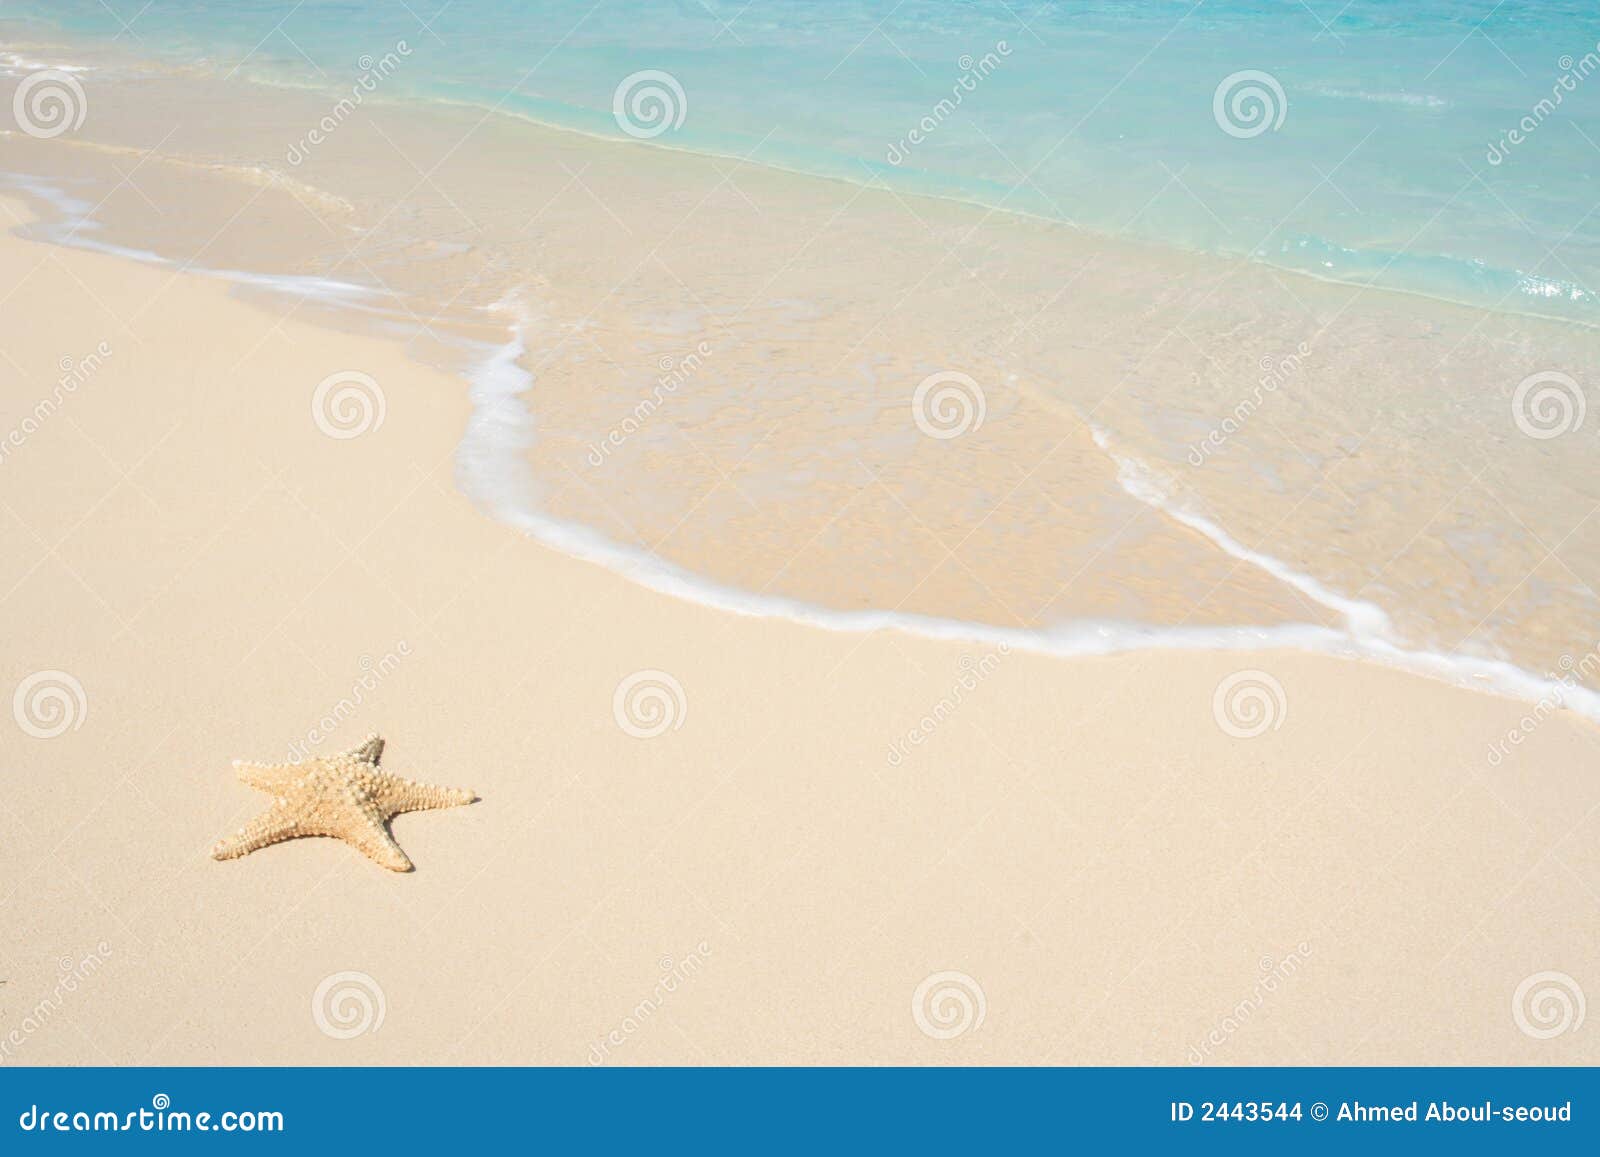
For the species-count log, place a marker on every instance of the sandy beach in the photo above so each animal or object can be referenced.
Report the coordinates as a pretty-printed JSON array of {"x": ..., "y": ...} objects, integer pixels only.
[{"x": 840, "y": 847}]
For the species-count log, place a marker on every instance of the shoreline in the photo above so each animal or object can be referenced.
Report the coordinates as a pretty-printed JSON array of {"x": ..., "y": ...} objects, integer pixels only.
[
  {"x": 500, "y": 427},
  {"x": 1077, "y": 634},
  {"x": 500, "y": 430}
]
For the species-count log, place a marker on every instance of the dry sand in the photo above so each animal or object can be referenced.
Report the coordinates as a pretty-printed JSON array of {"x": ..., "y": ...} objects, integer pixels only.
[{"x": 1120, "y": 879}]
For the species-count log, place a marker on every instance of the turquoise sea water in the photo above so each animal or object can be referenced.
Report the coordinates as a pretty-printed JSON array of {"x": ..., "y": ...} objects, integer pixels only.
[{"x": 1387, "y": 155}]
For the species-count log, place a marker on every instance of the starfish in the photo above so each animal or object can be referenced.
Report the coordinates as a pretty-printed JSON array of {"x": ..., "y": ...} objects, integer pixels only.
[{"x": 344, "y": 796}]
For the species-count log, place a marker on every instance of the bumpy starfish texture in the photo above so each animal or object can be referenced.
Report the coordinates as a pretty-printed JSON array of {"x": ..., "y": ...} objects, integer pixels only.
[{"x": 344, "y": 796}]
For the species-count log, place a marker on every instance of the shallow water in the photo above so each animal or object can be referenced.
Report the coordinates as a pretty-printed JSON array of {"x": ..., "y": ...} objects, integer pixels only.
[{"x": 1387, "y": 158}]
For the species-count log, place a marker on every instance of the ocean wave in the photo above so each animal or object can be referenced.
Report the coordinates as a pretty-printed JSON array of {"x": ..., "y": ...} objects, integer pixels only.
[
  {"x": 1465, "y": 280},
  {"x": 14, "y": 64},
  {"x": 493, "y": 470},
  {"x": 76, "y": 228}
]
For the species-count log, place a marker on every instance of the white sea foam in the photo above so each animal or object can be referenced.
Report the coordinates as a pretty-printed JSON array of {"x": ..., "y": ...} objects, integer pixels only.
[
  {"x": 11, "y": 64},
  {"x": 1552, "y": 287},
  {"x": 76, "y": 228},
  {"x": 492, "y": 469},
  {"x": 1363, "y": 619},
  {"x": 1405, "y": 99},
  {"x": 1369, "y": 632}
]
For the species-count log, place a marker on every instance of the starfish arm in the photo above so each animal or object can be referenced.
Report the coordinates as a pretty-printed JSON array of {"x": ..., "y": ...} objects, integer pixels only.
[
  {"x": 268, "y": 777},
  {"x": 373, "y": 840},
  {"x": 370, "y": 751},
  {"x": 395, "y": 795},
  {"x": 270, "y": 827}
]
